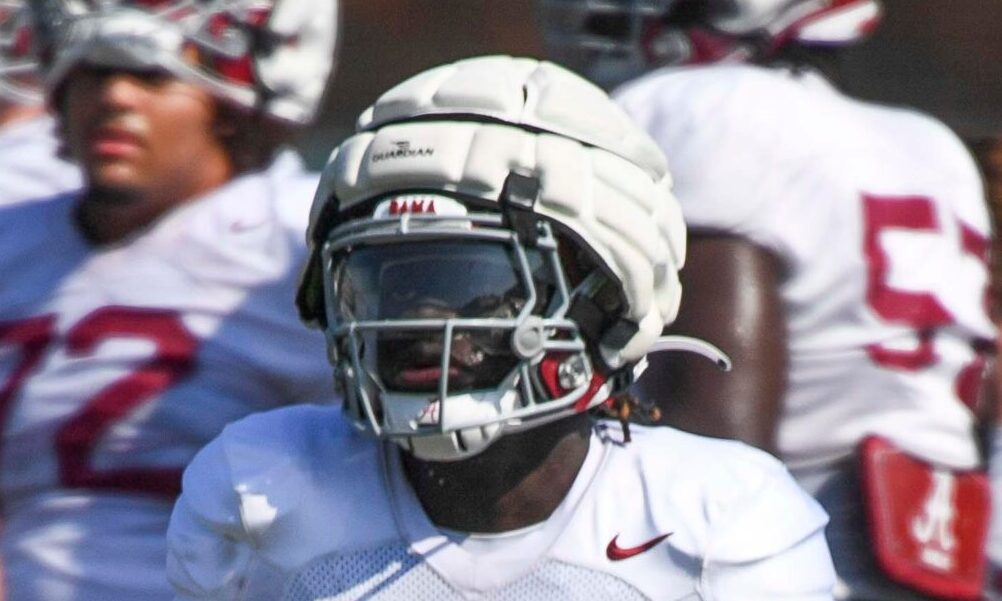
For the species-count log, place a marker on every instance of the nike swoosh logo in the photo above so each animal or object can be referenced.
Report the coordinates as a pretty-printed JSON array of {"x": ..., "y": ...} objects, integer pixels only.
[{"x": 617, "y": 553}]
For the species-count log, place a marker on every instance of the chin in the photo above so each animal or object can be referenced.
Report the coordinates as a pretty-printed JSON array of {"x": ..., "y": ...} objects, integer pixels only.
[
  {"x": 115, "y": 179},
  {"x": 114, "y": 192}
]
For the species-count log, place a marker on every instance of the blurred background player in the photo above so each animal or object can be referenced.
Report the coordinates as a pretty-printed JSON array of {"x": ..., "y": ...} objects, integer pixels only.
[
  {"x": 144, "y": 313},
  {"x": 29, "y": 165},
  {"x": 988, "y": 153},
  {"x": 837, "y": 255},
  {"x": 493, "y": 254}
]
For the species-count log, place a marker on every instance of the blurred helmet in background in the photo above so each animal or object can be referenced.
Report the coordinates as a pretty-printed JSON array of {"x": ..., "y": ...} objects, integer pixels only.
[
  {"x": 271, "y": 56},
  {"x": 19, "y": 79},
  {"x": 611, "y": 41}
]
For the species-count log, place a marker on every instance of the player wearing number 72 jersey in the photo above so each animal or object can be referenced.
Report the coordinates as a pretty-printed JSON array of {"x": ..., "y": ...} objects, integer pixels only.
[
  {"x": 837, "y": 253},
  {"x": 141, "y": 315}
]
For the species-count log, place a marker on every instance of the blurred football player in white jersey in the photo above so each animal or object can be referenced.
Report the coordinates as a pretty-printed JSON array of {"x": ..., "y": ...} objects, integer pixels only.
[
  {"x": 493, "y": 254},
  {"x": 30, "y": 166},
  {"x": 988, "y": 153},
  {"x": 142, "y": 314},
  {"x": 837, "y": 254}
]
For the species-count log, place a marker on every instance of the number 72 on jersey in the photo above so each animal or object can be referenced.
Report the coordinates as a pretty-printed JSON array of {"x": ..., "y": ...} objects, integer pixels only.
[{"x": 173, "y": 359}]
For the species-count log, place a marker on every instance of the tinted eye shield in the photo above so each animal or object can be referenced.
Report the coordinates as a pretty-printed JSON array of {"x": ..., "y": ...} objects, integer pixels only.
[
  {"x": 476, "y": 242},
  {"x": 435, "y": 278}
]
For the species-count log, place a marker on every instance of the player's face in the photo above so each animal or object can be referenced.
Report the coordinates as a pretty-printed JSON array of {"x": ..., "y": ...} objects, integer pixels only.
[
  {"x": 412, "y": 361},
  {"x": 434, "y": 282},
  {"x": 144, "y": 134}
]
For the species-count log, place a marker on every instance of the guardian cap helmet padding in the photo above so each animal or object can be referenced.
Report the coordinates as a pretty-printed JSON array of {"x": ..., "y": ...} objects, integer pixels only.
[
  {"x": 495, "y": 248},
  {"x": 273, "y": 56}
]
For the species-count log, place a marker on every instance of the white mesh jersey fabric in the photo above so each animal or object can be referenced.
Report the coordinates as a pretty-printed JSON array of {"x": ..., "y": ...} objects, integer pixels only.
[
  {"x": 29, "y": 166},
  {"x": 393, "y": 572},
  {"x": 123, "y": 361},
  {"x": 882, "y": 247},
  {"x": 330, "y": 513}
]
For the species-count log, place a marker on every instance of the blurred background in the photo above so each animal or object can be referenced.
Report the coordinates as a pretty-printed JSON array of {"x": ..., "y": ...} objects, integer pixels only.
[{"x": 942, "y": 56}]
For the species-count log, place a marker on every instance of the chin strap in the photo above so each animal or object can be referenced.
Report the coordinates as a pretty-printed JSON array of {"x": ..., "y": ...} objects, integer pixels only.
[
  {"x": 692, "y": 345},
  {"x": 623, "y": 405},
  {"x": 687, "y": 344}
]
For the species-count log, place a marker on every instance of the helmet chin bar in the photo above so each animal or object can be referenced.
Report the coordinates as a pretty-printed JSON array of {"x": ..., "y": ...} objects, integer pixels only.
[{"x": 443, "y": 425}]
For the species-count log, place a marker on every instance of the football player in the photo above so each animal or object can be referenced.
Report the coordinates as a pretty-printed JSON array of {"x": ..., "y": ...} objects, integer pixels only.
[
  {"x": 30, "y": 167},
  {"x": 493, "y": 254},
  {"x": 837, "y": 253},
  {"x": 139, "y": 316}
]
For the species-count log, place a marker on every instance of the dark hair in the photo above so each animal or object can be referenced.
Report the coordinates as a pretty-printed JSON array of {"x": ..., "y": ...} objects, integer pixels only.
[
  {"x": 825, "y": 59},
  {"x": 251, "y": 138}
]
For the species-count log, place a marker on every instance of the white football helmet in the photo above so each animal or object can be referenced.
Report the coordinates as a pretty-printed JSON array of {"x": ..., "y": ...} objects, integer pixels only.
[
  {"x": 19, "y": 79},
  {"x": 614, "y": 40},
  {"x": 273, "y": 56},
  {"x": 496, "y": 247}
]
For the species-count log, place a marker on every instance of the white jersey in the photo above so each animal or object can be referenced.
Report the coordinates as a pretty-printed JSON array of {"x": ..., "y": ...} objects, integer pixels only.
[
  {"x": 296, "y": 505},
  {"x": 30, "y": 168},
  {"x": 880, "y": 222},
  {"x": 118, "y": 363}
]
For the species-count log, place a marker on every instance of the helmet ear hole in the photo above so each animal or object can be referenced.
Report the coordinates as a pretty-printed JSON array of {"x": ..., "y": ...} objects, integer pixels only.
[{"x": 597, "y": 301}]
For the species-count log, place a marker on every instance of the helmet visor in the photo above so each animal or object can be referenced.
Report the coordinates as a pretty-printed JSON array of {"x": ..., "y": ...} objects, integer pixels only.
[{"x": 439, "y": 279}]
